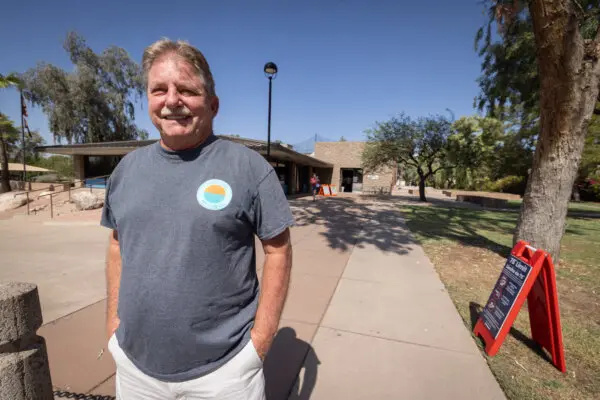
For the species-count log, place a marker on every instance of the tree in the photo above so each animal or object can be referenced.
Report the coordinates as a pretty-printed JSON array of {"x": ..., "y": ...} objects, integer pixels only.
[
  {"x": 8, "y": 136},
  {"x": 566, "y": 39},
  {"x": 8, "y": 133},
  {"x": 420, "y": 144},
  {"x": 11, "y": 79},
  {"x": 590, "y": 158},
  {"x": 485, "y": 149},
  {"x": 342, "y": 139},
  {"x": 95, "y": 102},
  {"x": 61, "y": 165},
  {"x": 32, "y": 140}
]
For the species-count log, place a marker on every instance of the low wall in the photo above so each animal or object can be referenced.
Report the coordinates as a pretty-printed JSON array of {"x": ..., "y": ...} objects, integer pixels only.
[
  {"x": 483, "y": 201},
  {"x": 495, "y": 195}
]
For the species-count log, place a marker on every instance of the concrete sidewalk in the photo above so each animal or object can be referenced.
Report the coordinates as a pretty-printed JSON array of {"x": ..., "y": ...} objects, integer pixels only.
[
  {"x": 366, "y": 318},
  {"x": 391, "y": 330}
]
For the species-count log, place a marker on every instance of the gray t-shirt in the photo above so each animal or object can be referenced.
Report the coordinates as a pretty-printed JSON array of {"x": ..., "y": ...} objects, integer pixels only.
[{"x": 186, "y": 223}]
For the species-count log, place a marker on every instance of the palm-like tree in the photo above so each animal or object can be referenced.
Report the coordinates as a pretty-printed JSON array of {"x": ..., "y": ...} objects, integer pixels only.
[
  {"x": 7, "y": 131},
  {"x": 11, "y": 79}
]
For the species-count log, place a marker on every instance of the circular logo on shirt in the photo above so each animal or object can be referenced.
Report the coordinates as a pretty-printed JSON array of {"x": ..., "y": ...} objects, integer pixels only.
[{"x": 214, "y": 194}]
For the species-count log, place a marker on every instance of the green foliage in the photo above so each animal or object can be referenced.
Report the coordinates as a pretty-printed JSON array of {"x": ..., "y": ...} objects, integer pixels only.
[
  {"x": 509, "y": 75},
  {"x": 508, "y": 184},
  {"x": 590, "y": 158},
  {"x": 484, "y": 150},
  {"x": 9, "y": 133},
  {"x": 8, "y": 136},
  {"x": 419, "y": 144},
  {"x": 95, "y": 102},
  {"x": 509, "y": 80},
  {"x": 31, "y": 142},
  {"x": 11, "y": 79},
  {"x": 61, "y": 165}
]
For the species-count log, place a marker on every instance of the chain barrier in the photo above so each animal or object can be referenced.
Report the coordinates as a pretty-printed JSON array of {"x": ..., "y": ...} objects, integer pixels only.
[{"x": 81, "y": 396}]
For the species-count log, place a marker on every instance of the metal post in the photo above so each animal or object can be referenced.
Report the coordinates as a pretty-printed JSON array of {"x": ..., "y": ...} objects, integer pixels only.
[
  {"x": 269, "y": 125},
  {"x": 51, "y": 208},
  {"x": 27, "y": 193}
]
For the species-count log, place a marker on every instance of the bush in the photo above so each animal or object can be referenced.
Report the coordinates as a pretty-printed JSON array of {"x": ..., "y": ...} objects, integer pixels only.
[
  {"x": 509, "y": 184},
  {"x": 48, "y": 178},
  {"x": 589, "y": 190}
]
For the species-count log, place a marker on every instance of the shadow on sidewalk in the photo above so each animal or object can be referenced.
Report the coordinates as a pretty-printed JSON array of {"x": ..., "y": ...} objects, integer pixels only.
[
  {"x": 287, "y": 357},
  {"x": 353, "y": 221}
]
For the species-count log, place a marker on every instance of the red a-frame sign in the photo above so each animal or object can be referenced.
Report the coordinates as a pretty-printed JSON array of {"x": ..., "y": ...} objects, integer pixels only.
[{"x": 528, "y": 273}]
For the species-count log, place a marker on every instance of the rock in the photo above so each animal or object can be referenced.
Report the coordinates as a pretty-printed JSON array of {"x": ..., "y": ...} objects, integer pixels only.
[
  {"x": 24, "y": 372},
  {"x": 20, "y": 310},
  {"x": 87, "y": 201},
  {"x": 11, "y": 200}
]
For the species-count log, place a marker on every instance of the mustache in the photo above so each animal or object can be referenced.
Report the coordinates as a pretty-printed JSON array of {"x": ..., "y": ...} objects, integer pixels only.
[{"x": 183, "y": 111}]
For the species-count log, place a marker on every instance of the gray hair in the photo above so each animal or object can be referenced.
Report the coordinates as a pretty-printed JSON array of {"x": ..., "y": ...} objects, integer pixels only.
[{"x": 184, "y": 50}]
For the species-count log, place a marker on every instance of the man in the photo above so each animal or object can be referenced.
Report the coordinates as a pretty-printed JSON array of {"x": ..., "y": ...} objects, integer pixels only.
[{"x": 184, "y": 315}]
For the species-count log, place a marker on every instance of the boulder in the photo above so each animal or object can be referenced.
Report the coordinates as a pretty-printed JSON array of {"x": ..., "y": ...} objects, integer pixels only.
[
  {"x": 87, "y": 200},
  {"x": 11, "y": 200}
]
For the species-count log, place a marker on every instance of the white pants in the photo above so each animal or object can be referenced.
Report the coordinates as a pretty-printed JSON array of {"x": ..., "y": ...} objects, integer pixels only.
[{"x": 241, "y": 378}]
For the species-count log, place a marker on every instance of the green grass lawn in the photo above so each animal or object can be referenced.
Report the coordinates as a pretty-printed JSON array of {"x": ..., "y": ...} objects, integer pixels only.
[
  {"x": 574, "y": 207},
  {"x": 468, "y": 248}
]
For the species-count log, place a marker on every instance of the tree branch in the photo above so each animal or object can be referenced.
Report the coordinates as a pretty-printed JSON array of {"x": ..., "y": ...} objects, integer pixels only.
[
  {"x": 414, "y": 159},
  {"x": 444, "y": 167},
  {"x": 407, "y": 162}
]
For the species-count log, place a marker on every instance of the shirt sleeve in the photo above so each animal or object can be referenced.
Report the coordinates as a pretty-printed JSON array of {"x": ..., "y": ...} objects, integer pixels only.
[
  {"x": 108, "y": 219},
  {"x": 271, "y": 212}
]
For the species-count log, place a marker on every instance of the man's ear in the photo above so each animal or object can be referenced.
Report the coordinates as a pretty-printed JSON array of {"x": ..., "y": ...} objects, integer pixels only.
[{"x": 214, "y": 105}]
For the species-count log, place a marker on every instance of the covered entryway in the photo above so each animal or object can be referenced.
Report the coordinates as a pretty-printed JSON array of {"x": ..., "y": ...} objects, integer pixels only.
[{"x": 351, "y": 179}]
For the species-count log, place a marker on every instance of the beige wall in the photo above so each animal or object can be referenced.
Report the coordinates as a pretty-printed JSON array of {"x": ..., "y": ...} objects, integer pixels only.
[
  {"x": 349, "y": 155},
  {"x": 79, "y": 166}
]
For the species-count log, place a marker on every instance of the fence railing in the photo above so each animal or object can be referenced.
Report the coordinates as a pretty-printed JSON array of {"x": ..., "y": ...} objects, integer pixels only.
[{"x": 91, "y": 182}]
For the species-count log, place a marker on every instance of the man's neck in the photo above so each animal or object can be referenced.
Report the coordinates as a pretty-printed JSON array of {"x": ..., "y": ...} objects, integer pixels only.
[{"x": 178, "y": 145}]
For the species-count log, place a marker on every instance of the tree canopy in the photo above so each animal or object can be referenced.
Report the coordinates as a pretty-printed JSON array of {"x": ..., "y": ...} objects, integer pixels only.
[
  {"x": 420, "y": 144},
  {"x": 8, "y": 137},
  {"x": 95, "y": 102}
]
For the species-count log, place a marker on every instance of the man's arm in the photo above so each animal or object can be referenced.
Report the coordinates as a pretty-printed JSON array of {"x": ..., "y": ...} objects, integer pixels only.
[
  {"x": 274, "y": 287},
  {"x": 113, "y": 281}
]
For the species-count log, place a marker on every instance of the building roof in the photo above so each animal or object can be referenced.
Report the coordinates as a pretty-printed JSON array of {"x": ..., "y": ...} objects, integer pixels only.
[
  {"x": 278, "y": 151},
  {"x": 30, "y": 168}
]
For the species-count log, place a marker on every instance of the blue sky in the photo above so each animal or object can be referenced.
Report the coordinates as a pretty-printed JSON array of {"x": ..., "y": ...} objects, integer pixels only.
[{"x": 342, "y": 64}]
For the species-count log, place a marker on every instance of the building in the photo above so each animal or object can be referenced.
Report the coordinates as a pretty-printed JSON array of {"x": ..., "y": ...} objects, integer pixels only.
[
  {"x": 336, "y": 163},
  {"x": 347, "y": 172},
  {"x": 92, "y": 160}
]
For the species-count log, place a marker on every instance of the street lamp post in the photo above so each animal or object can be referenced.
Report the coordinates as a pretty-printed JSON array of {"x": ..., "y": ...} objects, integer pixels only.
[{"x": 270, "y": 72}]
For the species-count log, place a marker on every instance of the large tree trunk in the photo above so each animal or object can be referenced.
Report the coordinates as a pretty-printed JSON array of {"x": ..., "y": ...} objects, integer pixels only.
[
  {"x": 569, "y": 76},
  {"x": 5, "y": 178},
  {"x": 422, "y": 179}
]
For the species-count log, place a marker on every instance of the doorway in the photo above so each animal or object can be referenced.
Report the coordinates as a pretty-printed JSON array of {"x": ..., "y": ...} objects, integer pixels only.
[{"x": 351, "y": 180}]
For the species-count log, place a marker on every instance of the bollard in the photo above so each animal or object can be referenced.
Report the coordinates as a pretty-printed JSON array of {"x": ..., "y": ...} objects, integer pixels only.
[{"x": 24, "y": 371}]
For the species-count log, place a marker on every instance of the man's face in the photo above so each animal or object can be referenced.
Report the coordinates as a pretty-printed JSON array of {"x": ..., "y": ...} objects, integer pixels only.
[{"x": 178, "y": 103}]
